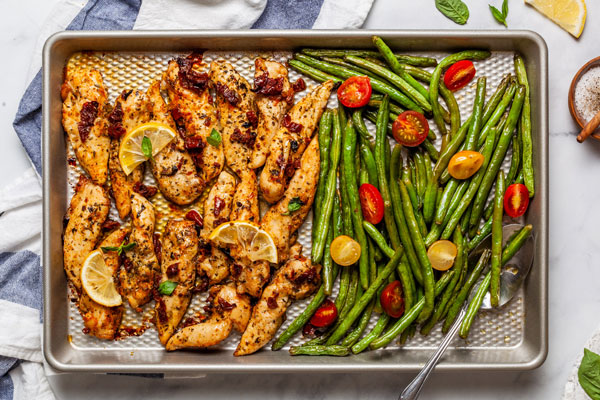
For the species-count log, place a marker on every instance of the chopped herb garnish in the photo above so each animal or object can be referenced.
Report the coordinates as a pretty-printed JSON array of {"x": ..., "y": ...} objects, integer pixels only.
[
  {"x": 167, "y": 287},
  {"x": 294, "y": 205},
  {"x": 147, "y": 147},
  {"x": 123, "y": 247},
  {"x": 215, "y": 138}
]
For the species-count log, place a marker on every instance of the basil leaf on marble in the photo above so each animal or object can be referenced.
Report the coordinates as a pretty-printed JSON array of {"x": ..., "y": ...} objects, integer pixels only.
[
  {"x": 456, "y": 10},
  {"x": 589, "y": 374}
]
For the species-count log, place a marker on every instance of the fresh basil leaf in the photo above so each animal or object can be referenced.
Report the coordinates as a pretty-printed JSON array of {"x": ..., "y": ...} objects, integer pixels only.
[
  {"x": 294, "y": 205},
  {"x": 456, "y": 10},
  {"x": 109, "y": 248},
  {"x": 589, "y": 374},
  {"x": 505, "y": 8},
  {"x": 147, "y": 147},
  {"x": 498, "y": 15},
  {"x": 128, "y": 246},
  {"x": 215, "y": 138},
  {"x": 167, "y": 287}
]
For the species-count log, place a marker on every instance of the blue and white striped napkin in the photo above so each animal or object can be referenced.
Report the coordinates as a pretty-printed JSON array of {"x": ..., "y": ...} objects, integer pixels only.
[{"x": 22, "y": 374}]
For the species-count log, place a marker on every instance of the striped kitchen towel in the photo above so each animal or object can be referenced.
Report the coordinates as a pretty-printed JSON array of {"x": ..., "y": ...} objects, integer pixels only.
[{"x": 22, "y": 374}]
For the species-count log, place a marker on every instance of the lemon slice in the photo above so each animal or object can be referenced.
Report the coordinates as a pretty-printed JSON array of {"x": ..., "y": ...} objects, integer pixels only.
[
  {"x": 568, "y": 14},
  {"x": 98, "y": 282},
  {"x": 250, "y": 241},
  {"x": 130, "y": 152}
]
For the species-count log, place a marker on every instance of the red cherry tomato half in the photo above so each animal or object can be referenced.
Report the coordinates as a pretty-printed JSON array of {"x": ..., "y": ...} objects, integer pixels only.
[
  {"x": 392, "y": 300},
  {"x": 325, "y": 315},
  {"x": 516, "y": 200},
  {"x": 459, "y": 75},
  {"x": 355, "y": 92},
  {"x": 410, "y": 128},
  {"x": 371, "y": 203}
]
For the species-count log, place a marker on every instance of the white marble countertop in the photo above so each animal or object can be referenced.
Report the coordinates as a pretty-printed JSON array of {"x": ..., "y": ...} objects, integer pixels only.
[{"x": 574, "y": 272}]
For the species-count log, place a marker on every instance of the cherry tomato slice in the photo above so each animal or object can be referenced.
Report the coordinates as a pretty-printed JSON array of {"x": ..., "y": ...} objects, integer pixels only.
[
  {"x": 459, "y": 75},
  {"x": 464, "y": 164},
  {"x": 325, "y": 315},
  {"x": 371, "y": 203},
  {"x": 392, "y": 300},
  {"x": 441, "y": 254},
  {"x": 410, "y": 128},
  {"x": 355, "y": 92},
  {"x": 344, "y": 250},
  {"x": 516, "y": 200}
]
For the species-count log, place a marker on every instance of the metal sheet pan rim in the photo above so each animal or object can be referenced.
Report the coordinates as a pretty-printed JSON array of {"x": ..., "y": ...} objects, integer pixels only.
[{"x": 349, "y": 365}]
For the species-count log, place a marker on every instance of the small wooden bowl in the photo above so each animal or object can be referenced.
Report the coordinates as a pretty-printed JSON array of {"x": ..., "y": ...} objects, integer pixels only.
[{"x": 590, "y": 64}]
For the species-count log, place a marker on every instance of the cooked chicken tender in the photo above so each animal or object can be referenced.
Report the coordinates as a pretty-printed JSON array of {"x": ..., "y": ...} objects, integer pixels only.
[
  {"x": 87, "y": 212},
  {"x": 281, "y": 223},
  {"x": 290, "y": 141},
  {"x": 173, "y": 168},
  {"x": 179, "y": 249},
  {"x": 217, "y": 206},
  {"x": 192, "y": 107},
  {"x": 101, "y": 321},
  {"x": 137, "y": 276},
  {"x": 229, "y": 310},
  {"x": 84, "y": 100},
  {"x": 297, "y": 279},
  {"x": 274, "y": 95},
  {"x": 213, "y": 264}
]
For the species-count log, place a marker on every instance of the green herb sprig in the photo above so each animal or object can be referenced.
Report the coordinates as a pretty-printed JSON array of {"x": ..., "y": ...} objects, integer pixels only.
[
  {"x": 120, "y": 249},
  {"x": 500, "y": 16},
  {"x": 294, "y": 205},
  {"x": 589, "y": 374},
  {"x": 215, "y": 138},
  {"x": 147, "y": 147},
  {"x": 167, "y": 287}
]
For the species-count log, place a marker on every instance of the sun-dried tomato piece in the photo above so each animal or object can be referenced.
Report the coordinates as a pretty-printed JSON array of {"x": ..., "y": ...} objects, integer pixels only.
[
  {"x": 291, "y": 126},
  {"x": 231, "y": 96},
  {"x": 252, "y": 118},
  {"x": 246, "y": 138},
  {"x": 157, "y": 247},
  {"x": 172, "y": 270},
  {"x": 144, "y": 190},
  {"x": 299, "y": 85},
  {"x": 189, "y": 74},
  {"x": 87, "y": 116},
  {"x": 194, "y": 216},
  {"x": 109, "y": 225}
]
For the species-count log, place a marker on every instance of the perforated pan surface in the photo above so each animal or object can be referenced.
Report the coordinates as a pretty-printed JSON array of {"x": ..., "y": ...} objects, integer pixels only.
[{"x": 504, "y": 329}]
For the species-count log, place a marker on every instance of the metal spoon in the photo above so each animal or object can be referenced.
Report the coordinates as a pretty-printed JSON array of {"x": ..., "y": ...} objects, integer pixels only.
[{"x": 512, "y": 277}]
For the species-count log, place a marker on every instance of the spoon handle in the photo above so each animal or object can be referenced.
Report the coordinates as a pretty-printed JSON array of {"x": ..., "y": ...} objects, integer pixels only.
[
  {"x": 411, "y": 392},
  {"x": 589, "y": 128}
]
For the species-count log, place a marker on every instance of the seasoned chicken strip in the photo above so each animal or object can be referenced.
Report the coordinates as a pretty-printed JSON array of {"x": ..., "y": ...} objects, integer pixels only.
[
  {"x": 290, "y": 141},
  {"x": 173, "y": 167},
  {"x": 251, "y": 277},
  {"x": 179, "y": 249},
  {"x": 274, "y": 95},
  {"x": 297, "y": 279},
  {"x": 192, "y": 107},
  {"x": 278, "y": 220},
  {"x": 213, "y": 264},
  {"x": 137, "y": 279},
  {"x": 229, "y": 310},
  {"x": 130, "y": 110},
  {"x": 217, "y": 206},
  {"x": 101, "y": 321},
  {"x": 87, "y": 212},
  {"x": 84, "y": 100}
]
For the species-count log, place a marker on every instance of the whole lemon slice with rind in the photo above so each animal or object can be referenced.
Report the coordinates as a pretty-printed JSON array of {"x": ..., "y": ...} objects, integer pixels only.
[
  {"x": 249, "y": 240},
  {"x": 97, "y": 281},
  {"x": 131, "y": 151},
  {"x": 568, "y": 14}
]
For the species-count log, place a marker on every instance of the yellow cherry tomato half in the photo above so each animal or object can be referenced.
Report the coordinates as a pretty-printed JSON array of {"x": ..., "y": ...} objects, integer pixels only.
[
  {"x": 441, "y": 254},
  {"x": 345, "y": 250},
  {"x": 464, "y": 164}
]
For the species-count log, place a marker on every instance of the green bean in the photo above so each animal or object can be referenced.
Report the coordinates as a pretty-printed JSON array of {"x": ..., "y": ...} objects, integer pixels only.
[
  {"x": 430, "y": 149},
  {"x": 477, "y": 121},
  {"x": 353, "y": 336},
  {"x": 349, "y": 158},
  {"x": 421, "y": 251},
  {"x": 498, "y": 112},
  {"x": 495, "y": 99},
  {"x": 438, "y": 198},
  {"x": 325, "y": 125},
  {"x": 380, "y": 148},
  {"x": 474, "y": 306},
  {"x": 399, "y": 215},
  {"x": 371, "y": 336},
  {"x": 459, "y": 265},
  {"x": 406, "y": 59},
  {"x": 421, "y": 173},
  {"x": 451, "y": 149},
  {"x": 365, "y": 298},
  {"x": 328, "y": 264},
  {"x": 515, "y": 161},
  {"x": 464, "y": 222},
  {"x": 327, "y": 206},
  {"x": 447, "y": 95},
  {"x": 408, "y": 283},
  {"x": 515, "y": 243},
  {"x": 461, "y": 280},
  {"x": 361, "y": 128},
  {"x": 396, "y": 80},
  {"x": 497, "y": 240},
  {"x": 313, "y": 73},
  {"x": 465, "y": 290},
  {"x": 409, "y": 316},
  {"x": 341, "y": 62},
  {"x": 482, "y": 234},
  {"x": 473, "y": 186},
  {"x": 406, "y": 178},
  {"x": 378, "y": 238},
  {"x": 318, "y": 350},
  {"x": 498, "y": 156},
  {"x": 442, "y": 209},
  {"x": 431, "y": 192},
  {"x": 345, "y": 204},
  {"x": 395, "y": 65},
  {"x": 436, "y": 230},
  {"x": 377, "y": 85},
  {"x": 528, "y": 172}
]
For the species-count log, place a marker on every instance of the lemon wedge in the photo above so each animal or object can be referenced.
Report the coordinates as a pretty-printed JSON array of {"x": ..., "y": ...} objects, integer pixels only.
[
  {"x": 132, "y": 152},
  {"x": 98, "y": 282},
  {"x": 568, "y": 14},
  {"x": 249, "y": 240}
]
